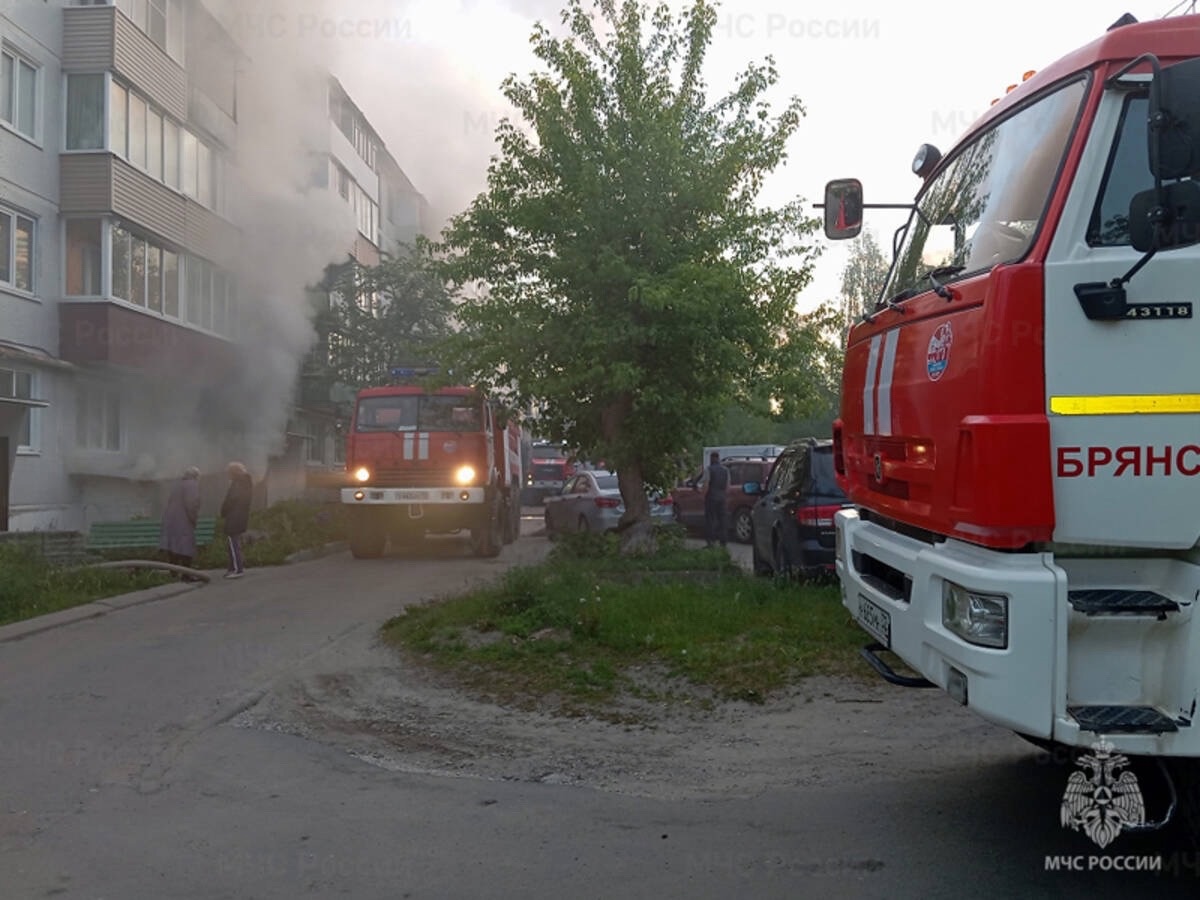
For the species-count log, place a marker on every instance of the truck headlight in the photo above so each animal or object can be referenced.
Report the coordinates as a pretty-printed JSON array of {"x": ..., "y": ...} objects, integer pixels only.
[
  {"x": 976, "y": 617},
  {"x": 464, "y": 474},
  {"x": 362, "y": 474}
]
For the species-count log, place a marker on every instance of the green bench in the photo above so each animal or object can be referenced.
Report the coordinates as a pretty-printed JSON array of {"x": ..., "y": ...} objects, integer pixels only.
[{"x": 142, "y": 533}]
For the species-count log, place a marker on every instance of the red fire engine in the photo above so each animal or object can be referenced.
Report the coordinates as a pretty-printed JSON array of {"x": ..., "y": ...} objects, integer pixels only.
[
  {"x": 430, "y": 461},
  {"x": 1020, "y": 423}
]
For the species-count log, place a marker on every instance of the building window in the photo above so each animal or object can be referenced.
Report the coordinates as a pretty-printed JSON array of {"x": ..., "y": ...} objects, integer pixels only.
[
  {"x": 161, "y": 20},
  {"x": 118, "y": 104},
  {"x": 98, "y": 418},
  {"x": 154, "y": 144},
  {"x": 85, "y": 112},
  {"x": 137, "y": 131},
  {"x": 170, "y": 154},
  {"x": 187, "y": 163},
  {"x": 170, "y": 265},
  {"x": 83, "y": 258},
  {"x": 122, "y": 251},
  {"x": 19, "y": 385},
  {"x": 16, "y": 250},
  {"x": 314, "y": 451},
  {"x": 18, "y": 92}
]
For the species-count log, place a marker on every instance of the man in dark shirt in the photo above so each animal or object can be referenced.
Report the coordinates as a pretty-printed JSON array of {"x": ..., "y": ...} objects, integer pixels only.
[{"x": 715, "y": 526}]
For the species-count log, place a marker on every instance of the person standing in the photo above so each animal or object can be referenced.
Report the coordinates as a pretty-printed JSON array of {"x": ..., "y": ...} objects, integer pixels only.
[
  {"x": 235, "y": 513},
  {"x": 178, "y": 535},
  {"x": 715, "y": 525}
]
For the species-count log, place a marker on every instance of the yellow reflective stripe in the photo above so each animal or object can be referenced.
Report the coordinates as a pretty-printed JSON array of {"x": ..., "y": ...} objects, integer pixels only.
[{"x": 1124, "y": 404}]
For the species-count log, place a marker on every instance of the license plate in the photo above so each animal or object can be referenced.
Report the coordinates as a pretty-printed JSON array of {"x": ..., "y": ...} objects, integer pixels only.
[
  {"x": 412, "y": 495},
  {"x": 875, "y": 620}
]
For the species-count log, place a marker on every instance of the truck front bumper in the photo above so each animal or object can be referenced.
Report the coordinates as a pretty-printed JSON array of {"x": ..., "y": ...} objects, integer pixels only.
[
  {"x": 1054, "y": 661},
  {"x": 426, "y": 496}
]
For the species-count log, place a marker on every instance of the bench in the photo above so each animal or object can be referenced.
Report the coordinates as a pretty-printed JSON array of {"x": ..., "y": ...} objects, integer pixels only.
[{"x": 142, "y": 533}]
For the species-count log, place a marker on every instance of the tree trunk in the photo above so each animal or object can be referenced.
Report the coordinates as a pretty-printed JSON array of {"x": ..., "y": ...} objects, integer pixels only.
[{"x": 637, "y": 533}]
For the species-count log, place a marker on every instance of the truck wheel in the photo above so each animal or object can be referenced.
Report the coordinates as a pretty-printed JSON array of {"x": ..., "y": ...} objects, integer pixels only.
[
  {"x": 512, "y": 519},
  {"x": 367, "y": 536},
  {"x": 487, "y": 537}
]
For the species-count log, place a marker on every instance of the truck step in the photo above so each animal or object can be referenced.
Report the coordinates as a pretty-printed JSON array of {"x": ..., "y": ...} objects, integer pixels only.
[
  {"x": 1112, "y": 602},
  {"x": 1122, "y": 719}
]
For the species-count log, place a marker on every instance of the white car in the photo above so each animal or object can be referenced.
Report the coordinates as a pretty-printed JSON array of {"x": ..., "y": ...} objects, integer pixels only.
[{"x": 591, "y": 501}]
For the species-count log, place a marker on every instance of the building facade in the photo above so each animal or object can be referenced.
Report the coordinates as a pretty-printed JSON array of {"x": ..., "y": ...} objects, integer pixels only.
[{"x": 130, "y": 331}]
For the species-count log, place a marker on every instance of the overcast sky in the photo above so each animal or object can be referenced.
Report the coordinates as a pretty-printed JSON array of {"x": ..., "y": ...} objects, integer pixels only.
[{"x": 877, "y": 79}]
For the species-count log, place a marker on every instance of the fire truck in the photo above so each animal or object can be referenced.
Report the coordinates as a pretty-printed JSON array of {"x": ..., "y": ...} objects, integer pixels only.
[
  {"x": 430, "y": 461},
  {"x": 1019, "y": 431}
]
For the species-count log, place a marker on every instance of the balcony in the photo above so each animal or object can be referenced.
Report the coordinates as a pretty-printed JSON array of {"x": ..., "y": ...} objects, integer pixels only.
[
  {"x": 100, "y": 38},
  {"x": 99, "y": 333},
  {"x": 100, "y": 183}
]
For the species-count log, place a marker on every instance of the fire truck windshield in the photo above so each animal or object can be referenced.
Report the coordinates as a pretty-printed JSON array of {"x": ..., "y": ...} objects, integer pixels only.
[
  {"x": 985, "y": 203},
  {"x": 417, "y": 412}
]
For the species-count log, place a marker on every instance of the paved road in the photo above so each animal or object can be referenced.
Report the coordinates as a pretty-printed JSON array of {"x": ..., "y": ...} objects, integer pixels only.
[{"x": 123, "y": 776}]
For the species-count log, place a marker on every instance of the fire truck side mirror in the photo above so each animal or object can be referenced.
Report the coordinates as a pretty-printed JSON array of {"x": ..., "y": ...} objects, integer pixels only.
[
  {"x": 1165, "y": 218},
  {"x": 843, "y": 209},
  {"x": 1174, "y": 119}
]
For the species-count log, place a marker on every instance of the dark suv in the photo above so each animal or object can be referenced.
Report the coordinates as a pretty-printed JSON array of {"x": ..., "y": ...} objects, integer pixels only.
[
  {"x": 792, "y": 520},
  {"x": 688, "y": 498}
]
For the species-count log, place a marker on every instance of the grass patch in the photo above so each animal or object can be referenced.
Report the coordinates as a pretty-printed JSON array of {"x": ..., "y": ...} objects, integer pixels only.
[
  {"x": 30, "y": 586},
  {"x": 572, "y": 631}
]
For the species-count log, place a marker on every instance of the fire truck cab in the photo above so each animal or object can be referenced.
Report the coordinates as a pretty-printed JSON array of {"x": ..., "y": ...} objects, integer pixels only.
[
  {"x": 1020, "y": 418},
  {"x": 430, "y": 461}
]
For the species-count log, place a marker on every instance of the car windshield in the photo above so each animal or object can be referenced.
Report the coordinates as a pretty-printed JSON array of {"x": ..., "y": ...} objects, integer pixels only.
[
  {"x": 985, "y": 205},
  {"x": 417, "y": 412},
  {"x": 606, "y": 482}
]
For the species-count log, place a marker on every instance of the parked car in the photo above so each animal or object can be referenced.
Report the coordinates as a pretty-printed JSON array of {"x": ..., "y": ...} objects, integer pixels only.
[
  {"x": 689, "y": 497},
  {"x": 591, "y": 501},
  {"x": 549, "y": 468},
  {"x": 792, "y": 519}
]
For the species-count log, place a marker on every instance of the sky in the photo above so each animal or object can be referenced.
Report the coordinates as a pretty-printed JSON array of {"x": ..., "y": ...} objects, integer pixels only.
[{"x": 877, "y": 80}]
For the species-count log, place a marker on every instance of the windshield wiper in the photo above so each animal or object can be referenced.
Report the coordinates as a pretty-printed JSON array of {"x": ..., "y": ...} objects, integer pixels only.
[{"x": 943, "y": 272}]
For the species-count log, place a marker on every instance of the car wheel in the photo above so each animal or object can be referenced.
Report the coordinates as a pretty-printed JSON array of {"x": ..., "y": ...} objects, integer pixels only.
[
  {"x": 743, "y": 526},
  {"x": 584, "y": 528}
]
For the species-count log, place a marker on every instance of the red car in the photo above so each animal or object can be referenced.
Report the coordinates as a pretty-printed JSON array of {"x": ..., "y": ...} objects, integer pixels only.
[{"x": 689, "y": 497}]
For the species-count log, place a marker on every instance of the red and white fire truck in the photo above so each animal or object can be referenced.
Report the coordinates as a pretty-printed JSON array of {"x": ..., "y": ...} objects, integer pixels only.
[
  {"x": 1020, "y": 418},
  {"x": 430, "y": 461}
]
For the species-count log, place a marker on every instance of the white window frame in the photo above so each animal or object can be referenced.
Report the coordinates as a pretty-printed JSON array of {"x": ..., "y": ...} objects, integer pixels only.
[
  {"x": 96, "y": 400},
  {"x": 13, "y": 216},
  {"x": 17, "y": 57},
  {"x": 9, "y": 388}
]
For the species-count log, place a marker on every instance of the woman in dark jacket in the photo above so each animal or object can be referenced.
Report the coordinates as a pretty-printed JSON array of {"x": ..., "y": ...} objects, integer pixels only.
[
  {"x": 235, "y": 511},
  {"x": 178, "y": 535}
]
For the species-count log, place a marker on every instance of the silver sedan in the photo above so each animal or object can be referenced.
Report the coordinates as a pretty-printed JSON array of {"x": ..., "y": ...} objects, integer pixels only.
[{"x": 591, "y": 501}]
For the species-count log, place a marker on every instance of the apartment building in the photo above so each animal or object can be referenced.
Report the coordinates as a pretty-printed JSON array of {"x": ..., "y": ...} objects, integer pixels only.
[{"x": 133, "y": 342}]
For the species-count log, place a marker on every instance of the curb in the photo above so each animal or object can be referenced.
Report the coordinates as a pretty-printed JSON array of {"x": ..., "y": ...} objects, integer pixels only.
[
  {"x": 93, "y": 610},
  {"x": 29, "y": 627},
  {"x": 317, "y": 552}
]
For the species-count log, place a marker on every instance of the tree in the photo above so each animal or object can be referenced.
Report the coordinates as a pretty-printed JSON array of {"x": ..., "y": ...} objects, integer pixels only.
[
  {"x": 393, "y": 313},
  {"x": 862, "y": 279},
  {"x": 632, "y": 285}
]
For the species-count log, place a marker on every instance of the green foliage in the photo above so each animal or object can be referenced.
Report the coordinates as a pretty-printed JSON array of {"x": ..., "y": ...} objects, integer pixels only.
[
  {"x": 385, "y": 315},
  {"x": 620, "y": 274},
  {"x": 30, "y": 586},
  {"x": 578, "y": 627},
  {"x": 862, "y": 278},
  {"x": 279, "y": 531}
]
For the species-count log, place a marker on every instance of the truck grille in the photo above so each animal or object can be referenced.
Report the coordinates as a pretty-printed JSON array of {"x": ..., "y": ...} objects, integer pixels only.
[{"x": 408, "y": 477}]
